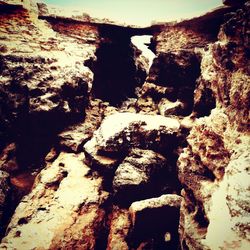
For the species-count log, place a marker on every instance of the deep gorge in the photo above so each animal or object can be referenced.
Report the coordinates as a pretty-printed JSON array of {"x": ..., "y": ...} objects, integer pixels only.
[{"x": 102, "y": 150}]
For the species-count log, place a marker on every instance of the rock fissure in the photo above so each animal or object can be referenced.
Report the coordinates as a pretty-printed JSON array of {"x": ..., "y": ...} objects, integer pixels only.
[{"x": 106, "y": 145}]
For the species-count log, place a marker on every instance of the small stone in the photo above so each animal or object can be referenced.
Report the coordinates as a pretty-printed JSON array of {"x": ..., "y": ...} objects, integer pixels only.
[
  {"x": 51, "y": 156},
  {"x": 167, "y": 237}
]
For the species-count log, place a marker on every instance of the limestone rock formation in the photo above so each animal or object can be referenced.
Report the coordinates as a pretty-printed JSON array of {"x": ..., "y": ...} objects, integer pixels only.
[
  {"x": 160, "y": 161},
  {"x": 120, "y": 131},
  {"x": 44, "y": 85},
  {"x": 120, "y": 226},
  {"x": 213, "y": 168},
  {"x": 63, "y": 201},
  {"x": 138, "y": 175},
  {"x": 4, "y": 191},
  {"x": 156, "y": 216}
]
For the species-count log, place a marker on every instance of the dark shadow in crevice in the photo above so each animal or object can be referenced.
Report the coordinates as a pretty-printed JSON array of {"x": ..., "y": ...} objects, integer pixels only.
[{"x": 116, "y": 72}]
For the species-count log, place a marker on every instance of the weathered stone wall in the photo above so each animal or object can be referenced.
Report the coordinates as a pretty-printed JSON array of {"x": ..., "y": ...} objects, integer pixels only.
[
  {"x": 166, "y": 169},
  {"x": 214, "y": 168}
]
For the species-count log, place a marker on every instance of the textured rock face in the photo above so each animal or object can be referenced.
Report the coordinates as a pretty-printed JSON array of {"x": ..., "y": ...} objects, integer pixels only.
[
  {"x": 119, "y": 229},
  {"x": 138, "y": 175},
  {"x": 44, "y": 85},
  {"x": 111, "y": 177},
  {"x": 120, "y": 131},
  {"x": 50, "y": 215},
  {"x": 147, "y": 216},
  {"x": 214, "y": 168},
  {"x": 4, "y": 190}
]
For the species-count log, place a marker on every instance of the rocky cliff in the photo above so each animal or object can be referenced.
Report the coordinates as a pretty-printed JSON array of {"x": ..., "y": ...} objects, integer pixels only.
[{"x": 99, "y": 153}]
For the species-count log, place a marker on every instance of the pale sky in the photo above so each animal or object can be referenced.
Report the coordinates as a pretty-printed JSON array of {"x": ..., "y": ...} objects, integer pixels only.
[{"x": 140, "y": 12}]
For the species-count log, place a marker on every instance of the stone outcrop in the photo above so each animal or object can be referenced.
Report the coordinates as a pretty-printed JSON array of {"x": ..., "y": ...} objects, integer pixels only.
[
  {"x": 44, "y": 85},
  {"x": 4, "y": 193},
  {"x": 213, "y": 168},
  {"x": 121, "y": 131},
  {"x": 156, "y": 216},
  {"x": 120, "y": 226},
  {"x": 165, "y": 167},
  {"x": 137, "y": 176},
  {"x": 63, "y": 201}
]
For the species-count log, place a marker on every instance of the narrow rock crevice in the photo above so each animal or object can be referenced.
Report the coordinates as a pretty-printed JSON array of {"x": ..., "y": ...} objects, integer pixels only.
[
  {"x": 107, "y": 146},
  {"x": 117, "y": 72}
]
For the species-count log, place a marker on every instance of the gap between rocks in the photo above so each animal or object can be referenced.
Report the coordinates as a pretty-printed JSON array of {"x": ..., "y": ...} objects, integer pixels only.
[{"x": 137, "y": 157}]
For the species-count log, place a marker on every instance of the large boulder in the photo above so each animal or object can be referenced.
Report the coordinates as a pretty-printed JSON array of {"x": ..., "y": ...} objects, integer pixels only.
[
  {"x": 121, "y": 131},
  {"x": 156, "y": 217},
  {"x": 137, "y": 176}
]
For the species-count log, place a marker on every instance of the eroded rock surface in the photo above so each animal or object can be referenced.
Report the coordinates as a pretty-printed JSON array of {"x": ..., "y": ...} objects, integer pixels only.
[
  {"x": 138, "y": 175},
  {"x": 4, "y": 192},
  {"x": 120, "y": 226},
  {"x": 120, "y": 131},
  {"x": 156, "y": 216},
  {"x": 44, "y": 84},
  {"x": 109, "y": 177},
  {"x": 214, "y": 166},
  {"x": 63, "y": 201}
]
